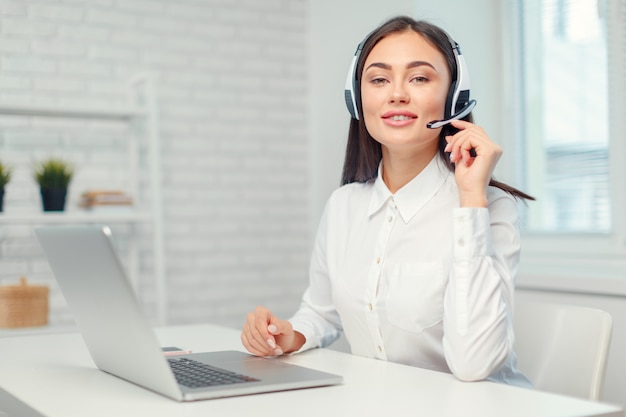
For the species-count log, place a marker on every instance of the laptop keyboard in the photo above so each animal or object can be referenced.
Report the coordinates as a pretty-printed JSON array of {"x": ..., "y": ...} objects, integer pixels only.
[{"x": 194, "y": 374}]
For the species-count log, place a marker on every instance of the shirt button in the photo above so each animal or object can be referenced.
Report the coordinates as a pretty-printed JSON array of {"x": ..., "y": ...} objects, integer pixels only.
[
  {"x": 380, "y": 349},
  {"x": 389, "y": 219},
  {"x": 461, "y": 242},
  {"x": 370, "y": 306},
  {"x": 378, "y": 260}
]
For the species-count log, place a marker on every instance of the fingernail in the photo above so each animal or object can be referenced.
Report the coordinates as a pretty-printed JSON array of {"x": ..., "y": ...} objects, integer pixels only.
[
  {"x": 272, "y": 328},
  {"x": 271, "y": 343},
  {"x": 278, "y": 352}
]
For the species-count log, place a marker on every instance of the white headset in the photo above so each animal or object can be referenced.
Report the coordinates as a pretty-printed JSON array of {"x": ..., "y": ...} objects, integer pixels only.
[{"x": 458, "y": 103}]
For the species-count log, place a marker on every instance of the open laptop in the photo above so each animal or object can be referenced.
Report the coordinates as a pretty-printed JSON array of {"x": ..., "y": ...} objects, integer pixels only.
[{"x": 121, "y": 341}]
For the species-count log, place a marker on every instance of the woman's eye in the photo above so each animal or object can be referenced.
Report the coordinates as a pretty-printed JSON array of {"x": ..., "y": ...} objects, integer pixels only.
[
  {"x": 419, "y": 80},
  {"x": 378, "y": 81}
]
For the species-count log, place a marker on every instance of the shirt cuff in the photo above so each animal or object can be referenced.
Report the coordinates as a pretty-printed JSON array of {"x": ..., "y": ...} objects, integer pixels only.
[
  {"x": 471, "y": 231},
  {"x": 308, "y": 333}
]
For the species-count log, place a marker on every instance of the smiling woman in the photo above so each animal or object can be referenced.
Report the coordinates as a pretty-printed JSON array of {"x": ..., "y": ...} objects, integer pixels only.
[
  {"x": 364, "y": 152},
  {"x": 416, "y": 254},
  {"x": 404, "y": 85}
]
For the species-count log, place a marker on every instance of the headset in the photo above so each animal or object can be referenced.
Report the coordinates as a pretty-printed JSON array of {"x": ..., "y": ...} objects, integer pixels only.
[{"x": 458, "y": 103}]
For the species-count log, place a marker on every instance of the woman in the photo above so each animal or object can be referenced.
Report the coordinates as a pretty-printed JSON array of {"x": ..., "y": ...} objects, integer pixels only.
[{"x": 416, "y": 253}]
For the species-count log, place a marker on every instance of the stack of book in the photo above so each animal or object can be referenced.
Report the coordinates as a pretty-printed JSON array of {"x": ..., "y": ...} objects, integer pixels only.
[{"x": 105, "y": 199}]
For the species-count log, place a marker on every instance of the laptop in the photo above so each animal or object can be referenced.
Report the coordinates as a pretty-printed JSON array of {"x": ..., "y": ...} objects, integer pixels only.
[{"x": 121, "y": 341}]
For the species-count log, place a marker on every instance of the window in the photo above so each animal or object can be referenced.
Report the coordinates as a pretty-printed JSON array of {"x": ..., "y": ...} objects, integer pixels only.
[
  {"x": 567, "y": 84},
  {"x": 565, "y": 116}
]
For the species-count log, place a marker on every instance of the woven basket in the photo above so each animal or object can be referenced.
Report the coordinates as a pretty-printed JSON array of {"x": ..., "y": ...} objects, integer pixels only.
[{"x": 23, "y": 305}]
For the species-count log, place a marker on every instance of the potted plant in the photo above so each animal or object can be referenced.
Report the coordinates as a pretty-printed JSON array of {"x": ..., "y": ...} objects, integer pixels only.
[
  {"x": 5, "y": 177},
  {"x": 53, "y": 176}
]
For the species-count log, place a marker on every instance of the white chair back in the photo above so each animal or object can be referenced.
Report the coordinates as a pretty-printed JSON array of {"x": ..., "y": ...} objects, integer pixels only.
[{"x": 563, "y": 348}]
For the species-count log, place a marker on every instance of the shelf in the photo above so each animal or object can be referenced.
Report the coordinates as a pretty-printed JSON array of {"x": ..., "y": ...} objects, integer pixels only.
[
  {"x": 141, "y": 116},
  {"x": 31, "y": 331},
  {"x": 76, "y": 217},
  {"x": 117, "y": 113}
]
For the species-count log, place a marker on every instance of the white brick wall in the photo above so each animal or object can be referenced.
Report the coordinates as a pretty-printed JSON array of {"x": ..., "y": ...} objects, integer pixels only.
[{"x": 232, "y": 95}]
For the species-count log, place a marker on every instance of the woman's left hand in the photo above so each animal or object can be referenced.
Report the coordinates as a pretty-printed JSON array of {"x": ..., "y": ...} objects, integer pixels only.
[{"x": 475, "y": 156}]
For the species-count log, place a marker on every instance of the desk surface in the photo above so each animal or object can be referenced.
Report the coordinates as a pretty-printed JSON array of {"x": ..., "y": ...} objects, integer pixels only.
[{"x": 53, "y": 375}]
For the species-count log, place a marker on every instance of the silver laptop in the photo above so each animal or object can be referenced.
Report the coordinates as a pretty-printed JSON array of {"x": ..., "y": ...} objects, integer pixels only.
[{"x": 121, "y": 341}]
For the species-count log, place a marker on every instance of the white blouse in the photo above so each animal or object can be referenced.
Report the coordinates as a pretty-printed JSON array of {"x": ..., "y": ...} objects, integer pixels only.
[{"x": 413, "y": 278}]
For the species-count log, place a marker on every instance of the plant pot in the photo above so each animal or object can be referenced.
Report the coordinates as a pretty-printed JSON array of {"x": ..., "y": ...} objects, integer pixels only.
[
  {"x": 53, "y": 199},
  {"x": 1, "y": 199}
]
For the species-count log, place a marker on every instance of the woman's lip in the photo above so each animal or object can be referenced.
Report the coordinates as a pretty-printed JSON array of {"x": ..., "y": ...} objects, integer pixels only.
[
  {"x": 405, "y": 118},
  {"x": 399, "y": 113}
]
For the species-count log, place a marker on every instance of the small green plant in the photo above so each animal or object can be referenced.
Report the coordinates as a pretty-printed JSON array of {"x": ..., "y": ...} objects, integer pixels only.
[
  {"x": 53, "y": 174},
  {"x": 5, "y": 175}
]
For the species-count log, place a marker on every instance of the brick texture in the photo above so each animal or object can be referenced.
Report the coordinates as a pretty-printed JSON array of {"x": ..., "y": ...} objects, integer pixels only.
[{"x": 230, "y": 79}]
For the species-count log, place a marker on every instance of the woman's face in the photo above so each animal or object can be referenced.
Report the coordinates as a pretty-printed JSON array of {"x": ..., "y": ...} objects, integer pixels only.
[{"x": 404, "y": 86}]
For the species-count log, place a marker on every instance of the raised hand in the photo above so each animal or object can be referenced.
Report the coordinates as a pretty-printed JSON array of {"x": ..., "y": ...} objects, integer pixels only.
[{"x": 475, "y": 156}]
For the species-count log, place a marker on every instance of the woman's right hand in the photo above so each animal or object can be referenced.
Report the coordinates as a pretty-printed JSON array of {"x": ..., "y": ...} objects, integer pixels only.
[{"x": 264, "y": 334}]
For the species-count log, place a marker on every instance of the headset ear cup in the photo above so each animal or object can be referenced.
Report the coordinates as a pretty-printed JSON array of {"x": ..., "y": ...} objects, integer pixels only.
[
  {"x": 350, "y": 100},
  {"x": 351, "y": 89},
  {"x": 462, "y": 100},
  {"x": 450, "y": 106}
]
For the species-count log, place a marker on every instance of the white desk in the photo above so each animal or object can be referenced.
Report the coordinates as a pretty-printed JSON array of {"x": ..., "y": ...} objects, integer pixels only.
[{"x": 53, "y": 375}]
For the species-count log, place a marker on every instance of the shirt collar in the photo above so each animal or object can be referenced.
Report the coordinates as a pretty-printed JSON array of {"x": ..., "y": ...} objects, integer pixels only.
[{"x": 415, "y": 194}]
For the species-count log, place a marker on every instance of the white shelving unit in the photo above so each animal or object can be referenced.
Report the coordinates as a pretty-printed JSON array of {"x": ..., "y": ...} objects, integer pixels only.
[{"x": 142, "y": 109}]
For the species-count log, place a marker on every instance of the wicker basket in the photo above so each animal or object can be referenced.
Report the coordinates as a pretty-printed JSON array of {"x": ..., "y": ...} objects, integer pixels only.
[{"x": 23, "y": 305}]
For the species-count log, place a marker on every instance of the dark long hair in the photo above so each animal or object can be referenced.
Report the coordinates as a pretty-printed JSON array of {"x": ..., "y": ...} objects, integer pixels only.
[{"x": 363, "y": 152}]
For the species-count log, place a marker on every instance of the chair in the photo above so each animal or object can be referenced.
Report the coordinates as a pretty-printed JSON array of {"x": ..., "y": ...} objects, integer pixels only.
[{"x": 563, "y": 348}]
